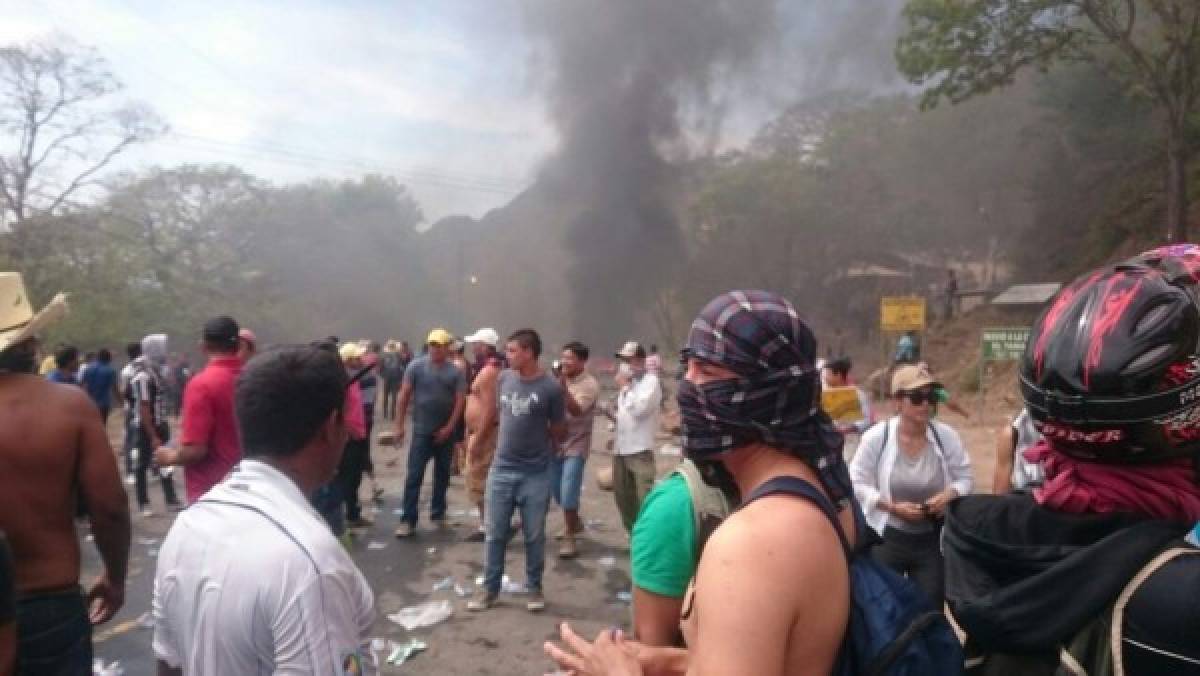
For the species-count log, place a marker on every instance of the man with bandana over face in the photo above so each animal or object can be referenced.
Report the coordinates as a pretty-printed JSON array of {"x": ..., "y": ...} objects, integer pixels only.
[{"x": 776, "y": 566}]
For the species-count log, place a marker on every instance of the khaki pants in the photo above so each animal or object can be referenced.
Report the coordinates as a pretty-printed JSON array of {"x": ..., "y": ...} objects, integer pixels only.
[
  {"x": 633, "y": 477},
  {"x": 479, "y": 463}
]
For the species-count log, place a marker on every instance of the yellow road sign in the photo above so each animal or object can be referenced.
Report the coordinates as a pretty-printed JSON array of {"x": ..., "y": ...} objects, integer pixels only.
[{"x": 902, "y": 313}]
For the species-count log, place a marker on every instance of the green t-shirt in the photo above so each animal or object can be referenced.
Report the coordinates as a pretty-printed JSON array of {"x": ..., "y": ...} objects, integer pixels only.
[{"x": 663, "y": 546}]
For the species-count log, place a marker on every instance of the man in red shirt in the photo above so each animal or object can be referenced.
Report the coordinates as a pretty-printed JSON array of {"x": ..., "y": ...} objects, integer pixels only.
[{"x": 209, "y": 445}]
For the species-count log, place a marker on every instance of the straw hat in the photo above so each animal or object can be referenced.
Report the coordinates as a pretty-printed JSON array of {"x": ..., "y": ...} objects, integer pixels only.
[{"x": 17, "y": 319}]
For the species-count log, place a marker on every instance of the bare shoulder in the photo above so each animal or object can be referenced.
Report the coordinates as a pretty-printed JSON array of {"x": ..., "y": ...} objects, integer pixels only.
[
  {"x": 488, "y": 375},
  {"x": 777, "y": 533},
  {"x": 42, "y": 392}
]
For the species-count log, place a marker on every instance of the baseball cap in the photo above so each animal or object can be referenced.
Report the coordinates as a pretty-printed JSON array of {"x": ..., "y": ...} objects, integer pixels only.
[
  {"x": 222, "y": 330},
  {"x": 487, "y": 336},
  {"x": 631, "y": 349},
  {"x": 439, "y": 337},
  {"x": 912, "y": 377}
]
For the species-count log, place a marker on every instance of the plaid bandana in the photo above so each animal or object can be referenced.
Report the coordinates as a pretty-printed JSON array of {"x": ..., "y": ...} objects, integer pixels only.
[{"x": 775, "y": 398}]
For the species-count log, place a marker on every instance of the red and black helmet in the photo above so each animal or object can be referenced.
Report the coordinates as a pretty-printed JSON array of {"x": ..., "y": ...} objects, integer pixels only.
[{"x": 1111, "y": 371}]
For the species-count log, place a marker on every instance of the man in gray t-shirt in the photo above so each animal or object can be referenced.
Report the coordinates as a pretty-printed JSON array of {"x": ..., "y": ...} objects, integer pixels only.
[
  {"x": 526, "y": 409},
  {"x": 532, "y": 420},
  {"x": 437, "y": 391}
]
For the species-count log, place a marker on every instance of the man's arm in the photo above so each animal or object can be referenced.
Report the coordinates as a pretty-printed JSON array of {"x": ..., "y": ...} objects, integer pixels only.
[
  {"x": 569, "y": 401},
  {"x": 197, "y": 424},
  {"x": 402, "y": 407},
  {"x": 662, "y": 560},
  {"x": 864, "y": 404},
  {"x": 1002, "y": 475},
  {"x": 558, "y": 416},
  {"x": 589, "y": 392},
  {"x": 656, "y": 617},
  {"x": 460, "y": 403},
  {"x": 447, "y": 430},
  {"x": 107, "y": 508}
]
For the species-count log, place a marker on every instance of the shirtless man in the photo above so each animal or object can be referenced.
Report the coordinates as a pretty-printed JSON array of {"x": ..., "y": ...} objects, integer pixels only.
[
  {"x": 54, "y": 450},
  {"x": 772, "y": 593},
  {"x": 481, "y": 420}
]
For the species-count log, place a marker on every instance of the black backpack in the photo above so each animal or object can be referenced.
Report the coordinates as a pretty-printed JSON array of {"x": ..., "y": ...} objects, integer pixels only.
[{"x": 893, "y": 628}]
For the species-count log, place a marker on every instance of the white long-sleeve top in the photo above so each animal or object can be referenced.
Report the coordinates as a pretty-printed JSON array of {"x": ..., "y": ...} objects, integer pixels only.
[
  {"x": 637, "y": 415},
  {"x": 871, "y": 468}
]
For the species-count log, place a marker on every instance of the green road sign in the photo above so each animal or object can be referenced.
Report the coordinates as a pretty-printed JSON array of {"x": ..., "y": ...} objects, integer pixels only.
[{"x": 1004, "y": 344}]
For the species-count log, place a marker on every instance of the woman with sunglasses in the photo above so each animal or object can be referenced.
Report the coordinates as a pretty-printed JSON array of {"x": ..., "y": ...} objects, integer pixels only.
[{"x": 905, "y": 471}]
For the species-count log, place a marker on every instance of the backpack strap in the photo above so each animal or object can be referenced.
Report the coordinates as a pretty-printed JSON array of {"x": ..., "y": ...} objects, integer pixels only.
[
  {"x": 937, "y": 439},
  {"x": 709, "y": 504},
  {"x": 359, "y": 375},
  {"x": 1116, "y": 630},
  {"x": 798, "y": 487}
]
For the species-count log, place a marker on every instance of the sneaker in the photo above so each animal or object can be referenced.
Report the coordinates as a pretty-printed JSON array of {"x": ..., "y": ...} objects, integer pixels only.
[
  {"x": 482, "y": 600},
  {"x": 535, "y": 602},
  {"x": 568, "y": 550},
  {"x": 405, "y": 530},
  {"x": 147, "y": 512},
  {"x": 478, "y": 535}
]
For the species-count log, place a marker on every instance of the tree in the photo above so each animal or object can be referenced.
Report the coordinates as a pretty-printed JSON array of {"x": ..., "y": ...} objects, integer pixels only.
[
  {"x": 58, "y": 131},
  {"x": 964, "y": 48}
]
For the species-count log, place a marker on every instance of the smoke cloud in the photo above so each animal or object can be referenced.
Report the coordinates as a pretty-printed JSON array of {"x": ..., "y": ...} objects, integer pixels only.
[{"x": 623, "y": 77}]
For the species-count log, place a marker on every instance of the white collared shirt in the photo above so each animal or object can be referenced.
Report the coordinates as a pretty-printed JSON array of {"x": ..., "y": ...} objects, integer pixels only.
[
  {"x": 637, "y": 415},
  {"x": 250, "y": 580}
]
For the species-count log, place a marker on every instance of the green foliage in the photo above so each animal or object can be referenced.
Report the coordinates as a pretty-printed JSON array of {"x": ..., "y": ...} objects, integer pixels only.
[
  {"x": 957, "y": 49},
  {"x": 960, "y": 48},
  {"x": 172, "y": 247}
]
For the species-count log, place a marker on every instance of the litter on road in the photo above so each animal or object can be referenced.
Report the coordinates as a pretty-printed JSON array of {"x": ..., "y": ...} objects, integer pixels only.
[{"x": 423, "y": 615}]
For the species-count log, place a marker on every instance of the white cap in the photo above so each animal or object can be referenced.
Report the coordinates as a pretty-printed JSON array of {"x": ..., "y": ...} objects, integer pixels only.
[
  {"x": 487, "y": 336},
  {"x": 631, "y": 349}
]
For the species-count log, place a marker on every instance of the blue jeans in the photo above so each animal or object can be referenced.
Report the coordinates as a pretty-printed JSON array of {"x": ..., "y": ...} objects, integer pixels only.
[
  {"x": 508, "y": 490},
  {"x": 420, "y": 451},
  {"x": 568, "y": 481}
]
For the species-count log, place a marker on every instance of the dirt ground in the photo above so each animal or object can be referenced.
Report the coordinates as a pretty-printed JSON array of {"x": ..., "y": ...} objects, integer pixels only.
[{"x": 504, "y": 640}]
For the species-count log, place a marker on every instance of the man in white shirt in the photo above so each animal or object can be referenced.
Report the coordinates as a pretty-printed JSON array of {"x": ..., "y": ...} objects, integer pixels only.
[
  {"x": 250, "y": 580},
  {"x": 637, "y": 424}
]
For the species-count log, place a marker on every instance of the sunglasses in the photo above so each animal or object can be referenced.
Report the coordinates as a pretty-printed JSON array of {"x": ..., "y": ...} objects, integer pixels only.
[{"x": 918, "y": 397}]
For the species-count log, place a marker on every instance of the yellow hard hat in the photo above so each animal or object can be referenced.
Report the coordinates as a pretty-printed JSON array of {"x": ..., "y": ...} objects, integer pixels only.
[{"x": 439, "y": 337}]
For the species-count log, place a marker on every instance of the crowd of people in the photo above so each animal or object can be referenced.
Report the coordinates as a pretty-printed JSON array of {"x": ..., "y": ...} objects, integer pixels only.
[{"x": 807, "y": 529}]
